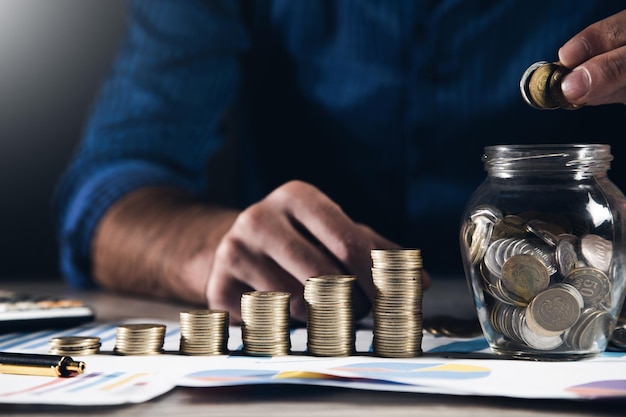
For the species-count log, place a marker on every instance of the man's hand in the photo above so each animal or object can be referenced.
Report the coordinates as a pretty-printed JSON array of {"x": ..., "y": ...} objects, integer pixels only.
[
  {"x": 294, "y": 233},
  {"x": 597, "y": 57},
  {"x": 158, "y": 242}
]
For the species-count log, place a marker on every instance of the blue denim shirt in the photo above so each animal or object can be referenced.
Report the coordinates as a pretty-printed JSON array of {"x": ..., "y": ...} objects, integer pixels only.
[{"x": 384, "y": 105}]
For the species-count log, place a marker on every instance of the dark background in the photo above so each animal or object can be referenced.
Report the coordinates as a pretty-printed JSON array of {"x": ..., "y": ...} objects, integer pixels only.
[{"x": 53, "y": 56}]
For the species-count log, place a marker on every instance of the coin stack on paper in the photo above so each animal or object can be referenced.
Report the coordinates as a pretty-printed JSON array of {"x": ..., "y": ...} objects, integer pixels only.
[
  {"x": 330, "y": 317},
  {"x": 204, "y": 332},
  {"x": 74, "y": 345},
  {"x": 548, "y": 276},
  {"x": 398, "y": 321},
  {"x": 265, "y": 323},
  {"x": 139, "y": 339}
]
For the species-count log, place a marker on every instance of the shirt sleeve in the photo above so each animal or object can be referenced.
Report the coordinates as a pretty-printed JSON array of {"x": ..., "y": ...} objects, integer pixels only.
[{"x": 157, "y": 118}]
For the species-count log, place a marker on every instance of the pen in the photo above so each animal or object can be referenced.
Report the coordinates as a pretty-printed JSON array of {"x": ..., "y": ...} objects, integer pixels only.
[{"x": 40, "y": 365}]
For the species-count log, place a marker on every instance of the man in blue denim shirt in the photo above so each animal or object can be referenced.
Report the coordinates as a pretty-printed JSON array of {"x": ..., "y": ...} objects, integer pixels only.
[{"x": 251, "y": 145}]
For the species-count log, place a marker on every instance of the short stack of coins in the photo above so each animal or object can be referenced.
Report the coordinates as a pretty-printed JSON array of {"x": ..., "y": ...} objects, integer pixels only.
[
  {"x": 139, "y": 339},
  {"x": 546, "y": 276},
  {"x": 330, "y": 316},
  {"x": 398, "y": 321},
  {"x": 204, "y": 332},
  {"x": 265, "y": 323},
  {"x": 74, "y": 345},
  {"x": 541, "y": 86}
]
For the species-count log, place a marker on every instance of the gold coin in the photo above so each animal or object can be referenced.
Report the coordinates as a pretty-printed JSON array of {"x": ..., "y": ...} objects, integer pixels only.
[
  {"x": 525, "y": 276},
  {"x": 74, "y": 341},
  {"x": 541, "y": 86}
]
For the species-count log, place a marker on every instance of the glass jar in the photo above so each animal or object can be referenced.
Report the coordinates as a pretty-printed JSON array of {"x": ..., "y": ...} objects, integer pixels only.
[{"x": 542, "y": 241}]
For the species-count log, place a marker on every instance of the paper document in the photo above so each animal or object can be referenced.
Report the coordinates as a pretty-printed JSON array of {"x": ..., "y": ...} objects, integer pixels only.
[{"x": 448, "y": 366}]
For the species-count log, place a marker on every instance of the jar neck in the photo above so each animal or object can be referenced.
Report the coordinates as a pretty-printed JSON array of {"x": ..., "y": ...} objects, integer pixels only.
[{"x": 577, "y": 160}]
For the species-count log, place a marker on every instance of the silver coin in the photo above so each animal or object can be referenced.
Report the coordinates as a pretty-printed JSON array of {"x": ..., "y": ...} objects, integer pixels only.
[
  {"x": 597, "y": 251},
  {"x": 539, "y": 342},
  {"x": 544, "y": 254},
  {"x": 504, "y": 295},
  {"x": 573, "y": 239},
  {"x": 542, "y": 230},
  {"x": 487, "y": 212},
  {"x": 511, "y": 226},
  {"x": 477, "y": 237},
  {"x": 591, "y": 331},
  {"x": 491, "y": 257},
  {"x": 504, "y": 251},
  {"x": 593, "y": 284},
  {"x": 483, "y": 219},
  {"x": 555, "y": 309},
  {"x": 566, "y": 257}
]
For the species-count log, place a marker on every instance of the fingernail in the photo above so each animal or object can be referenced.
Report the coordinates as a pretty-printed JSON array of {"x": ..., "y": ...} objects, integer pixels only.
[
  {"x": 574, "y": 52},
  {"x": 575, "y": 84}
]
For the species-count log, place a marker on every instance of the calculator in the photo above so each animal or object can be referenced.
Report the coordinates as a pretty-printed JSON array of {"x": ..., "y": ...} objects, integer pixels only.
[{"x": 28, "y": 312}]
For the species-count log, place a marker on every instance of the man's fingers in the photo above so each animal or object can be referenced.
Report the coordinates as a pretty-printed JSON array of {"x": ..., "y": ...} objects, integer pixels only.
[
  {"x": 596, "y": 39},
  {"x": 600, "y": 80},
  {"x": 295, "y": 233},
  {"x": 237, "y": 269},
  {"x": 225, "y": 294},
  {"x": 597, "y": 58}
]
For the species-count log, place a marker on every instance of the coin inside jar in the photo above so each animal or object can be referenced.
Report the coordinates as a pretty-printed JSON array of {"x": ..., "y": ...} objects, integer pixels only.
[
  {"x": 593, "y": 284},
  {"x": 525, "y": 276},
  {"x": 555, "y": 309}
]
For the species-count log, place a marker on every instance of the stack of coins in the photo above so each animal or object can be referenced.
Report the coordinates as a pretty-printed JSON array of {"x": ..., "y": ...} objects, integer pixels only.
[
  {"x": 398, "y": 322},
  {"x": 541, "y": 86},
  {"x": 139, "y": 339},
  {"x": 330, "y": 316},
  {"x": 204, "y": 332},
  {"x": 74, "y": 345},
  {"x": 265, "y": 323}
]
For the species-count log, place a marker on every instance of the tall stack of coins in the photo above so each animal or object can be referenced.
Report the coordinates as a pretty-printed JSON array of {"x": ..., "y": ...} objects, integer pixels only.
[
  {"x": 265, "y": 323},
  {"x": 139, "y": 339},
  {"x": 74, "y": 345},
  {"x": 397, "y": 275},
  {"x": 204, "y": 332},
  {"x": 547, "y": 276},
  {"x": 330, "y": 316}
]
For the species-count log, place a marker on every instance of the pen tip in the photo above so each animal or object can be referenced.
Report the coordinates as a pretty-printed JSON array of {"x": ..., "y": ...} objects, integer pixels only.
[{"x": 75, "y": 366}]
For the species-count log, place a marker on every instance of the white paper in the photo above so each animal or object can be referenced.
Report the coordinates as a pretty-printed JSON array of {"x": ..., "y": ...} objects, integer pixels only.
[{"x": 448, "y": 366}]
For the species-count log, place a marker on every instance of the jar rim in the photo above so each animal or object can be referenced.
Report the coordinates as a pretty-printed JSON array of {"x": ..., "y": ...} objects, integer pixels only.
[
  {"x": 542, "y": 147},
  {"x": 580, "y": 157}
]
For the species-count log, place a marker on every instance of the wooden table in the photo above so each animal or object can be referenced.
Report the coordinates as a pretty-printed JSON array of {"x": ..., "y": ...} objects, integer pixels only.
[{"x": 447, "y": 295}]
